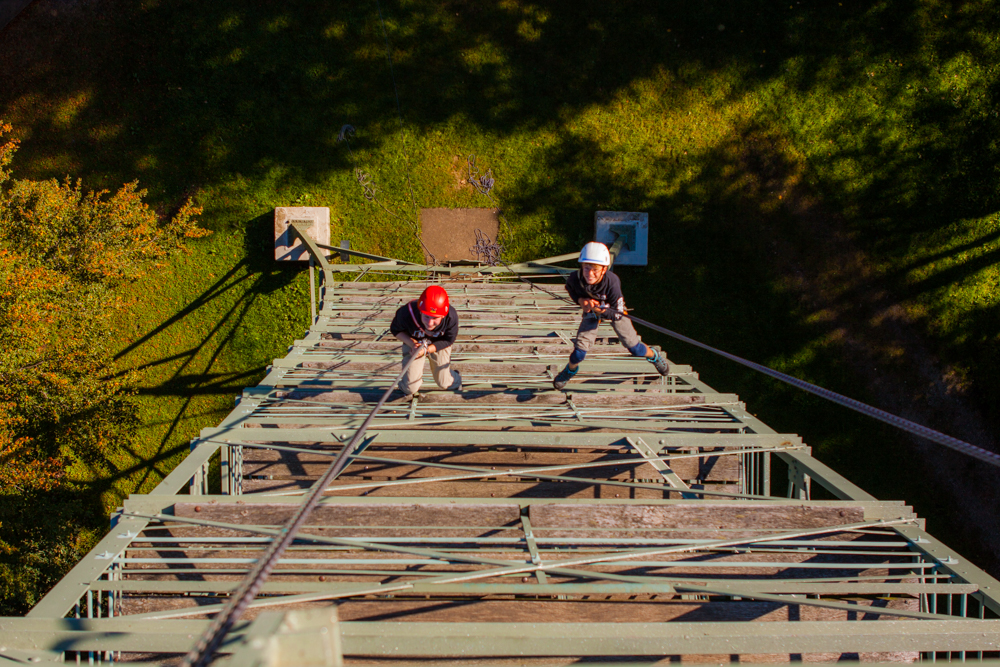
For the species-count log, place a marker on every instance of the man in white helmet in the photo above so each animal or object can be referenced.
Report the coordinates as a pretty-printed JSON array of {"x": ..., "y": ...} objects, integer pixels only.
[{"x": 599, "y": 294}]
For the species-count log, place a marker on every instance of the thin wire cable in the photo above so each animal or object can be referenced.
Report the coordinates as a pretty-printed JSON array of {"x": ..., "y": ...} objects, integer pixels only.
[
  {"x": 399, "y": 116},
  {"x": 368, "y": 188},
  {"x": 201, "y": 654},
  {"x": 845, "y": 401}
]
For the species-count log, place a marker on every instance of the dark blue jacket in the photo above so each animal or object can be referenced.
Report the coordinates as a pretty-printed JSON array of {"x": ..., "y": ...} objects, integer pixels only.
[
  {"x": 408, "y": 319},
  {"x": 607, "y": 292}
]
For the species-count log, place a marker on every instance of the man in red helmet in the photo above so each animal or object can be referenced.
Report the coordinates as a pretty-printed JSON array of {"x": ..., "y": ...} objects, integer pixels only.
[{"x": 427, "y": 327}]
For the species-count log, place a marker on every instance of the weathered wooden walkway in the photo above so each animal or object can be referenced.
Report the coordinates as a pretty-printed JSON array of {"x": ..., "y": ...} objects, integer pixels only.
[{"x": 629, "y": 518}]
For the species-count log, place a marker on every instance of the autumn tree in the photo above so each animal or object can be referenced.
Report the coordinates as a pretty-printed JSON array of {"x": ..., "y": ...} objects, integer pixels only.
[{"x": 64, "y": 254}]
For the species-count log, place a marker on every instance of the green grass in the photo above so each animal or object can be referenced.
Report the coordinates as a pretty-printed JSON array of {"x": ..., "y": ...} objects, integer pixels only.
[{"x": 762, "y": 138}]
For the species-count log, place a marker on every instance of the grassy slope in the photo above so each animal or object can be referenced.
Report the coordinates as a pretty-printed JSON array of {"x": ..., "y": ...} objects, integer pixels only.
[{"x": 739, "y": 126}]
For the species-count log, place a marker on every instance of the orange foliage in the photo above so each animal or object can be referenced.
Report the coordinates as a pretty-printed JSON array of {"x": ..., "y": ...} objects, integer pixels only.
[
  {"x": 62, "y": 252},
  {"x": 7, "y": 150}
]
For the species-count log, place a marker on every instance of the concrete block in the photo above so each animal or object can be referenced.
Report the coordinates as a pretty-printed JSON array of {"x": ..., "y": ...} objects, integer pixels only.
[
  {"x": 608, "y": 225},
  {"x": 287, "y": 250}
]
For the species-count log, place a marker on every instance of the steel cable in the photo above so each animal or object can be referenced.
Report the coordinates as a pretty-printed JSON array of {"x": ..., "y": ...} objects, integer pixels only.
[
  {"x": 208, "y": 644},
  {"x": 845, "y": 401},
  {"x": 906, "y": 425}
]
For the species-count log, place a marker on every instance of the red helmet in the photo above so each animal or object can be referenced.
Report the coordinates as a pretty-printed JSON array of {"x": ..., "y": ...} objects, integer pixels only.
[{"x": 433, "y": 302}]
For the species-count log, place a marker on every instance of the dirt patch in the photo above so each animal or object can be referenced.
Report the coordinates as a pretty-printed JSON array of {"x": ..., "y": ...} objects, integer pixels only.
[
  {"x": 880, "y": 342},
  {"x": 449, "y": 234},
  {"x": 459, "y": 171}
]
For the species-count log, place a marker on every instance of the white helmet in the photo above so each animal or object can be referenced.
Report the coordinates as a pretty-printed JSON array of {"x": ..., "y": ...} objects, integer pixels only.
[{"x": 595, "y": 253}]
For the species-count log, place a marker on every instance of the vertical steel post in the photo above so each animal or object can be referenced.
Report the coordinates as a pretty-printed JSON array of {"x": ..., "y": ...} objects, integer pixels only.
[
  {"x": 235, "y": 480},
  {"x": 225, "y": 470},
  {"x": 932, "y": 599},
  {"x": 90, "y": 614},
  {"x": 743, "y": 484},
  {"x": 194, "y": 488},
  {"x": 982, "y": 615},
  {"x": 766, "y": 481},
  {"x": 312, "y": 290},
  {"x": 963, "y": 611},
  {"x": 799, "y": 483},
  {"x": 76, "y": 614}
]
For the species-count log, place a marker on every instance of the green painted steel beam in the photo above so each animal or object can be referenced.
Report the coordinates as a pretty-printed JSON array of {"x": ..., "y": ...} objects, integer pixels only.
[
  {"x": 180, "y": 476},
  {"x": 831, "y": 480},
  {"x": 661, "y": 639},
  {"x": 874, "y": 510},
  {"x": 663, "y": 441},
  {"x": 607, "y": 588},
  {"x": 64, "y": 595},
  {"x": 951, "y": 561},
  {"x": 300, "y": 227},
  {"x": 471, "y": 271},
  {"x": 428, "y": 640}
]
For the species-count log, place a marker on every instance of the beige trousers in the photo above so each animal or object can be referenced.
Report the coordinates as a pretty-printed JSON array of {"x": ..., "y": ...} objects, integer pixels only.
[{"x": 444, "y": 376}]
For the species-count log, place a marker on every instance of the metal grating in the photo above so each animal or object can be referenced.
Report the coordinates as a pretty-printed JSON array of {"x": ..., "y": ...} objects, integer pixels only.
[{"x": 628, "y": 519}]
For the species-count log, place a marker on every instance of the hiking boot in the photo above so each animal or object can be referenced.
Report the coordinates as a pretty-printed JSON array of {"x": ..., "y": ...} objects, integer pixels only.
[
  {"x": 563, "y": 377},
  {"x": 659, "y": 361},
  {"x": 456, "y": 384}
]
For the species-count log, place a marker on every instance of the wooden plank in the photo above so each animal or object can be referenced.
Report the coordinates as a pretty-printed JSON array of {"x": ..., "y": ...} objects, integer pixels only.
[
  {"x": 702, "y": 514},
  {"x": 507, "y": 398},
  {"x": 660, "y": 610},
  {"x": 466, "y": 317},
  {"x": 464, "y": 347},
  {"x": 360, "y": 514},
  {"x": 476, "y": 489}
]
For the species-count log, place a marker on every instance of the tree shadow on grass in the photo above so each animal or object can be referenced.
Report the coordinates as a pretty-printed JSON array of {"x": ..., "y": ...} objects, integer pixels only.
[
  {"x": 199, "y": 372},
  {"x": 191, "y": 94},
  {"x": 187, "y": 95}
]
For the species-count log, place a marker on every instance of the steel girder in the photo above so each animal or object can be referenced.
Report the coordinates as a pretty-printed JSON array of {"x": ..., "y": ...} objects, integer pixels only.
[{"x": 630, "y": 517}]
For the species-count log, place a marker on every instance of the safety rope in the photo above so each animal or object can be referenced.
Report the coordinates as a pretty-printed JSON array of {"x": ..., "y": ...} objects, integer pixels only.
[
  {"x": 845, "y": 401},
  {"x": 202, "y": 653},
  {"x": 486, "y": 250}
]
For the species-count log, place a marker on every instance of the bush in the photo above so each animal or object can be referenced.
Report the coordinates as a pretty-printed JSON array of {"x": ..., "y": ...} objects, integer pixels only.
[{"x": 63, "y": 253}]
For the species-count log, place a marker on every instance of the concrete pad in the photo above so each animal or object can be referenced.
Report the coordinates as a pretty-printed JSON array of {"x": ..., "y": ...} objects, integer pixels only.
[
  {"x": 285, "y": 250},
  {"x": 450, "y": 233},
  {"x": 633, "y": 225}
]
